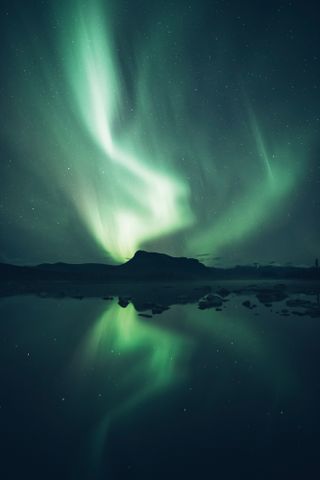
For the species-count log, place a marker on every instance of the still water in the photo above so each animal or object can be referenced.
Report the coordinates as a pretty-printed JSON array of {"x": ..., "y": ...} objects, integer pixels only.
[{"x": 91, "y": 390}]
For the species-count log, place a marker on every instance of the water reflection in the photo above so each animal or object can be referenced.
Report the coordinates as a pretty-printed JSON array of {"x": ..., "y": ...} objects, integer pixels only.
[
  {"x": 131, "y": 359},
  {"x": 245, "y": 338},
  {"x": 100, "y": 369}
]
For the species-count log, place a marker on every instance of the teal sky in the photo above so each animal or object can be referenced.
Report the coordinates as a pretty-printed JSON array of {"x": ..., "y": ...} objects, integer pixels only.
[{"x": 190, "y": 128}]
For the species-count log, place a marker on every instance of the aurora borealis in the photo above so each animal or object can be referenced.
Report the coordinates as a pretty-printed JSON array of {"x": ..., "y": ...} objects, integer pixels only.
[{"x": 190, "y": 128}]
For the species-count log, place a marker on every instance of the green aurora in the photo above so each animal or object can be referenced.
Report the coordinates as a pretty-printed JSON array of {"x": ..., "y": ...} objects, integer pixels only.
[
  {"x": 117, "y": 132},
  {"x": 149, "y": 202}
]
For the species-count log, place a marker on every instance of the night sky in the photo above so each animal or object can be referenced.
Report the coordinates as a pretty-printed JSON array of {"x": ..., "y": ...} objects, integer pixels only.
[{"x": 186, "y": 127}]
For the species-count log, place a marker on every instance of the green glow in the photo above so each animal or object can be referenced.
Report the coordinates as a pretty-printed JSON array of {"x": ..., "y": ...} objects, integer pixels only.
[
  {"x": 247, "y": 212},
  {"x": 149, "y": 202},
  {"x": 133, "y": 360},
  {"x": 152, "y": 197},
  {"x": 158, "y": 355},
  {"x": 157, "y": 358},
  {"x": 137, "y": 158}
]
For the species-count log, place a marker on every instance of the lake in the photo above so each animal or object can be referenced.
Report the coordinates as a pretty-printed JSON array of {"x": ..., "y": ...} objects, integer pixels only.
[{"x": 92, "y": 390}]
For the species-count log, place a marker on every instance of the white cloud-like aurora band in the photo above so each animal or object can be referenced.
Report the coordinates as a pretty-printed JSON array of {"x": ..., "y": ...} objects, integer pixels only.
[
  {"x": 139, "y": 195},
  {"x": 117, "y": 139},
  {"x": 148, "y": 202}
]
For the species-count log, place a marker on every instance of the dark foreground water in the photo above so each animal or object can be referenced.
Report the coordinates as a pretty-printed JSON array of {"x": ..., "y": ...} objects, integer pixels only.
[{"x": 92, "y": 390}]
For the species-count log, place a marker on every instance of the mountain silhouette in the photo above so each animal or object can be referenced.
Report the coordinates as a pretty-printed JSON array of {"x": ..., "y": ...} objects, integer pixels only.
[
  {"x": 145, "y": 267},
  {"x": 161, "y": 265}
]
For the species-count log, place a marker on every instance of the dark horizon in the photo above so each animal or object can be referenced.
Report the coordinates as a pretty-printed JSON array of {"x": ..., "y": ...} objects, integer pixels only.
[{"x": 203, "y": 259}]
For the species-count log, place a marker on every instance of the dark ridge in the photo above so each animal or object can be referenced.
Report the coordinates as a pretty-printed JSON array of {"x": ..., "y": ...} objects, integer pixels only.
[
  {"x": 160, "y": 264},
  {"x": 148, "y": 266}
]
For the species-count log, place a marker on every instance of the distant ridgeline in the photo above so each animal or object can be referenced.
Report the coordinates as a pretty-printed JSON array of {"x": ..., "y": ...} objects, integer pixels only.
[{"x": 146, "y": 266}]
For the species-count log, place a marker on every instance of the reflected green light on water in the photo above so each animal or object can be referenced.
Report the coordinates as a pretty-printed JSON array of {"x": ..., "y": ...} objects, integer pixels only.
[
  {"x": 139, "y": 359},
  {"x": 136, "y": 359},
  {"x": 108, "y": 378}
]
